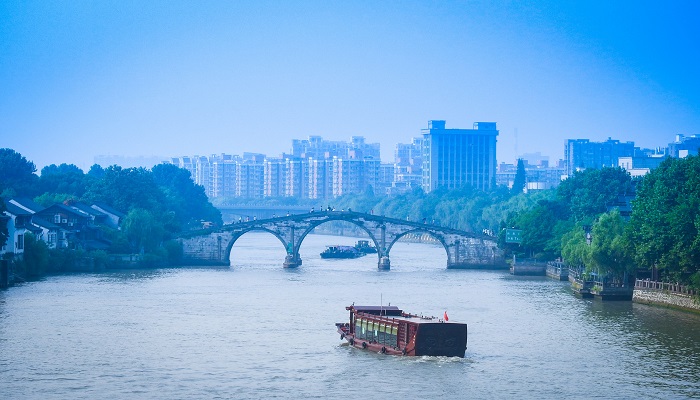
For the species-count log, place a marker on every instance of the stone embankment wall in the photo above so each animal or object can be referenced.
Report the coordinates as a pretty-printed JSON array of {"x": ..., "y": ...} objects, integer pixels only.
[
  {"x": 666, "y": 299},
  {"x": 207, "y": 249}
]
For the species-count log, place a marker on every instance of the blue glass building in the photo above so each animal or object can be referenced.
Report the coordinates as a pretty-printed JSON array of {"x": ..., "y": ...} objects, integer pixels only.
[{"x": 453, "y": 158}]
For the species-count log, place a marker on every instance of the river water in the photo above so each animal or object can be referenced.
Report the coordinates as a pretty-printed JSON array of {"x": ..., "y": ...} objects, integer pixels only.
[{"x": 257, "y": 330}]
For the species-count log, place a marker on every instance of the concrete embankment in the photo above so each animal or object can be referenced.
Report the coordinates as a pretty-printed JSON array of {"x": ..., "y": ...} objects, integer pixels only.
[{"x": 666, "y": 295}]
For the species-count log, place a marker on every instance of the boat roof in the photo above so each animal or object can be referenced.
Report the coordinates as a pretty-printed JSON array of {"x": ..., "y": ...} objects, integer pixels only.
[
  {"x": 393, "y": 312},
  {"x": 375, "y": 308}
]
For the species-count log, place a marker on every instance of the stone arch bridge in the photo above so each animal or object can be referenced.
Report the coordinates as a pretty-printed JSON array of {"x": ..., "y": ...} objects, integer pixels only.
[{"x": 464, "y": 249}]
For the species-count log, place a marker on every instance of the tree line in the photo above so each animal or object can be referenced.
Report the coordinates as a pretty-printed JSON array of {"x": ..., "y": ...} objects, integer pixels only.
[{"x": 158, "y": 203}]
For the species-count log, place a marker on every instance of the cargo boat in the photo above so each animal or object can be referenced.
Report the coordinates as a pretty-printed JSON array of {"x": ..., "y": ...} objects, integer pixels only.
[
  {"x": 364, "y": 247},
  {"x": 340, "y": 252},
  {"x": 389, "y": 330}
]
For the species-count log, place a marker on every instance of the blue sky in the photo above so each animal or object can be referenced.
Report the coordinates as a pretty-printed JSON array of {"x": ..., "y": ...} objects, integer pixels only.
[{"x": 86, "y": 78}]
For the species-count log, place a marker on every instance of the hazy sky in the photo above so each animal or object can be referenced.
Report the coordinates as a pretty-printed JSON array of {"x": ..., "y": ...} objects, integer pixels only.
[{"x": 86, "y": 78}]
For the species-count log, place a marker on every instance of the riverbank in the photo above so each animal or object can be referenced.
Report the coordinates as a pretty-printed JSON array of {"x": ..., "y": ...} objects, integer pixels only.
[
  {"x": 666, "y": 295},
  {"x": 60, "y": 262}
]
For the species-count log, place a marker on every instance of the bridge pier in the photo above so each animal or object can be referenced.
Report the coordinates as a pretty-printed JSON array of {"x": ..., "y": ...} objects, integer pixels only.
[
  {"x": 291, "y": 262},
  {"x": 384, "y": 263}
]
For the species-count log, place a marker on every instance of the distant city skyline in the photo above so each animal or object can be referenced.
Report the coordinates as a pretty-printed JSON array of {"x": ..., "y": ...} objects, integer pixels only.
[{"x": 83, "y": 79}]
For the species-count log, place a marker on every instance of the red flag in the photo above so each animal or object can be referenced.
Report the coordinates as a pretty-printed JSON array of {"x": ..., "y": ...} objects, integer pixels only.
[{"x": 446, "y": 319}]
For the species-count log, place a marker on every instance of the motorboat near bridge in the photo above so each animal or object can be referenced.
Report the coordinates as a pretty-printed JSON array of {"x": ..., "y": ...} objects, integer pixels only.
[{"x": 389, "y": 330}]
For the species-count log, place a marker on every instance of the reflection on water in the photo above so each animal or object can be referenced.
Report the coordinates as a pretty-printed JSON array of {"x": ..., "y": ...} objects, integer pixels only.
[{"x": 256, "y": 330}]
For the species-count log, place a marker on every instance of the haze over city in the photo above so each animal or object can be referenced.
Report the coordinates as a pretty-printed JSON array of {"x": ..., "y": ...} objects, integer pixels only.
[{"x": 82, "y": 79}]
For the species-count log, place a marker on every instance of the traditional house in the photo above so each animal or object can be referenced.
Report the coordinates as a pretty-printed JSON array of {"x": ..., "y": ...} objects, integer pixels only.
[
  {"x": 114, "y": 217},
  {"x": 51, "y": 234},
  {"x": 26, "y": 204},
  {"x": 17, "y": 222},
  {"x": 80, "y": 226}
]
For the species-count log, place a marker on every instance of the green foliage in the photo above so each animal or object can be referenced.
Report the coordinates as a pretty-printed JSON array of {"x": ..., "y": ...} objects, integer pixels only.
[
  {"x": 185, "y": 199},
  {"x": 575, "y": 250},
  {"x": 126, "y": 189},
  {"x": 520, "y": 178},
  {"x": 47, "y": 199},
  {"x": 143, "y": 230},
  {"x": 72, "y": 260},
  {"x": 17, "y": 175},
  {"x": 589, "y": 192},
  {"x": 541, "y": 224},
  {"x": 64, "y": 178},
  {"x": 174, "y": 252},
  {"x": 664, "y": 230},
  {"x": 35, "y": 262},
  {"x": 609, "y": 251},
  {"x": 96, "y": 171}
]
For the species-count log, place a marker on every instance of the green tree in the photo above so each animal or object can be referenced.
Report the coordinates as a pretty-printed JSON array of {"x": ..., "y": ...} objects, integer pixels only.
[
  {"x": 128, "y": 188},
  {"x": 143, "y": 230},
  {"x": 575, "y": 250},
  {"x": 664, "y": 228},
  {"x": 64, "y": 178},
  {"x": 96, "y": 171},
  {"x": 186, "y": 200},
  {"x": 590, "y": 192},
  {"x": 520, "y": 178},
  {"x": 609, "y": 250},
  {"x": 35, "y": 261},
  {"x": 542, "y": 228},
  {"x": 47, "y": 199},
  {"x": 17, "y": 175}
]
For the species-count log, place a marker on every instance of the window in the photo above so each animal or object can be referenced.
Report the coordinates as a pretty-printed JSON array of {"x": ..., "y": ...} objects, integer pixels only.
[
  {"x": 20, "y": 242},
  {"x": 57, "y": 219}
]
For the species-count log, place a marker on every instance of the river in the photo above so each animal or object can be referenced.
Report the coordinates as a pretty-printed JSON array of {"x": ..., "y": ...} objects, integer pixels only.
[{"x": 256, "y": 330}]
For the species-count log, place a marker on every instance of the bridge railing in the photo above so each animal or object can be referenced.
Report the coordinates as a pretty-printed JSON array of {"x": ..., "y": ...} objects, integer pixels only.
[{"x": 646, "y": 284}]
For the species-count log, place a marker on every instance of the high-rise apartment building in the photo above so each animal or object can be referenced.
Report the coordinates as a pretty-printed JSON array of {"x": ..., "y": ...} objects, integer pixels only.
[
  {"x": 203, "y": 174},
  {"x": 408, "y": 166},
  {"x": 453, "y": 158},
  {"x": 582, "y": 154},
  {"x": 319, "y": 149},
  {"x": 320, "y": 178},
  {"x": 275, "y": 177},
  {"x": 223, "y": 175},
  {"x": 250, "y": 178},
  {"x": 310, "y": 172},
  {"x": 296, "y": 178}
]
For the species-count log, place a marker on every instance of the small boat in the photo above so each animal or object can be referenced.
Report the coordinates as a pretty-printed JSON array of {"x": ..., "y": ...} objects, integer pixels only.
[
  {"x": 388, "y": 330},
  {"x": 340, "y": 252},
  {"x": 364, "y": 247}
]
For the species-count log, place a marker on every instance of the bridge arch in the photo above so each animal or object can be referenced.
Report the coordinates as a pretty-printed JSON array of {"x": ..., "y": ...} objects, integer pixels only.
[
  {"x": 316, "y": 224},
  {"x": 419, "y": 230},
  {"x": 238, "y": 235}
]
